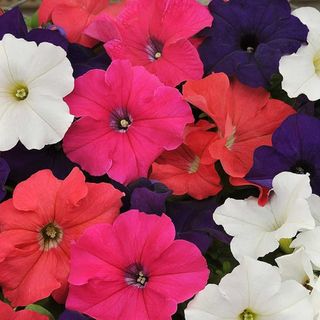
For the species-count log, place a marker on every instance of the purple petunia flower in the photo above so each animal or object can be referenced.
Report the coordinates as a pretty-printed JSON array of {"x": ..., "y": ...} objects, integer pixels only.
[
  {"x": 248, "y": 38},
  {"x": 295, "y": 148},
  {"x": 12, "y": 22},
  {"x": 72, "y": 315},
  {"x": 4, "y": 172}
]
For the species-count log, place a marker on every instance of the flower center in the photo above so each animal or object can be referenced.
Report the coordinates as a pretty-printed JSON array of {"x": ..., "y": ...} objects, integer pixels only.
[
  {"x": 302, "y": 167},
  {"x": 120, "y": 120},
  {"x": 136, "y": 276},
  {"x": 50, "y": 236},
  {"x": 154, "y": 49},
  {"x": 316, "y": 62},
  {"x": 247, "y": 315},
  {"x": 194, "y": 166},
  {"x": 231, "y": 139},
  {"x": 249, "y": 42},
  {"x": 20, "y": 92}
]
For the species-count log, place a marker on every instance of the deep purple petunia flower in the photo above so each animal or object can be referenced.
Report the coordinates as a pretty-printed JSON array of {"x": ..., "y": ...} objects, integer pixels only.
[
  {"x": 23, "y": 162},
  {"x": 295, "y": 148},
  {"x": 248, "y": 38},
  {"x": 72, "y": 315},
  {"x": 4, "y": 172},
  {"x": 12, "y": 22},
  {"x": 84, "y": 59}
]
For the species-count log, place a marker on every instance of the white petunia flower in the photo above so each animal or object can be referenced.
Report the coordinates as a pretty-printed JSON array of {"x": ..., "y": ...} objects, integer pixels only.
[
  {"x": 33, "y": 82},
  {"x": 301, "y": 70},
  {"x": 297, "y": 266},
  {"x": 252, "y": 291},
  {"x": 258, "y": 230}
]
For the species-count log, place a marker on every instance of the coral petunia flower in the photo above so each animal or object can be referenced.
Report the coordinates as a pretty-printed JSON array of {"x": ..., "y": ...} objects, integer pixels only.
[
  {"x": 183, "y": 170},
  {"x": 134, "y": 269},
  {"x": 37, "y": 227},
  {"x": 127, "y": 118},
  {"x": 75, "y": 15},
  {"x": 7, "y": 313},
  {"x": 155, "y": 34},
  {"x": 245, "y": 117}
]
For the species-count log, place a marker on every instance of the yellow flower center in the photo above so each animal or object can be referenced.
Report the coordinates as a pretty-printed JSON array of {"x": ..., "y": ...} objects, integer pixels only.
[
  {"x": 50, "y": 236},
  {"x": 247, "y": 315},
  {"x": 231, "y": 139},
  {"x": 124, "y": 123},
  {"x": 157, "y": 55},
  {"x": 194, "y": 166},
  {"x": 20, "y": 92},
  {"x": 316, "y": 62}
]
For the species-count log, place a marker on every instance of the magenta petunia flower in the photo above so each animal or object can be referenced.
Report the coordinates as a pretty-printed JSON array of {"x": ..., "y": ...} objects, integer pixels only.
[
  {"x": 155, "y": 34},
  {"x": 134, "y": 269},
  {"x": 127, "y": 118}
]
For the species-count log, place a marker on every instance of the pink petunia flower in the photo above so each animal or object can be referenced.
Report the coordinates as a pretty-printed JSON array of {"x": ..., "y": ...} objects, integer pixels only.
[
  {"x": 37, "y": 227},
  {"x": 7, "y": 313},
  {"x": 75, "y": 15},
  {"x": 134, "y": 269},
  {"x": 127, "y": 118},
  {"x": 155, "y": 34}
]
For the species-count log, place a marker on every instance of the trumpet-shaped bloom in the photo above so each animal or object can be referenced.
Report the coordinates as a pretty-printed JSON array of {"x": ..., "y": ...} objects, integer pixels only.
[
  {"x": 7, "y": 313},
  {"x": 295, "y": 148},
  {"x": 127, "y": 118},
  {"x": 155, "y": 34},
  {"x": 245, "y": 117},
  {"x": 32, "y": 86},
  {"x": 258, "y": 230},
  {"x": 253, "y": 290},
  {"x": 134, "y": 269},
  {"x": 37, "y": 227},
  {"x": 75, "y": 15},
  {"x": 182, "y": 169},
  {"x": 301, "y": 70},
  {"x": 248, "y": 38}
]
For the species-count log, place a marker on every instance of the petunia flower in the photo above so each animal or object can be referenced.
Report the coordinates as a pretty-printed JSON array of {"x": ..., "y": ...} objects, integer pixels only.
[
  {"x": 253, "y": 290},
  {"x": 7, "y": 313},
  {"x": 297, "y": 266},
  {"x": 301, "y": 71},
  {"x": 4, "y": 172},
  {"x": 183, "y": 170},
  {"x": 245, "y": 117},
  {"x": 257, "y": 230},
  {"x": 34, "y": 81},
  {"x": 12, "y": 22},
  {"x": 134, "y": 269},
  {"x": 295, "y": 147},
  {"x": 75, "y": 15},
  {"x": 37, "y": 227},
  {"x": 248, "y": 38},
  {"x": 155, "y": 34},
  {"x": 127, "y": 118}
]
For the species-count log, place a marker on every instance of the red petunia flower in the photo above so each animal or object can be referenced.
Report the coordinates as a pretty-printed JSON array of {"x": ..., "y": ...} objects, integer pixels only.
[
  {"x": 7, "y": 313},
  {"x": 188, "y": 169},
  {"x": 134, "y": 269},
  {"x": 155, "y": 34},
  {"x": 127, "y": 118},
  {"x": 246, "y": 119},
  {"x": 75, "y": 15},
  {"x": 37, "y": 227}
]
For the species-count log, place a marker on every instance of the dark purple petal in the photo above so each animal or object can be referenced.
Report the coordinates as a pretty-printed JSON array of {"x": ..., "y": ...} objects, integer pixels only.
[
  {"x": 44, "y": 35},
  {"x": 4, "y": 172},
  {"x": 248, "y": 38},
  {"x": 72, "y": 315},
  {"x": 12, "y": 22}
]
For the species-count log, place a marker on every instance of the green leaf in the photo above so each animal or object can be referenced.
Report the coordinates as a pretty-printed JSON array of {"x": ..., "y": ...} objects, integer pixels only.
[{"x": 40, "y": 309}]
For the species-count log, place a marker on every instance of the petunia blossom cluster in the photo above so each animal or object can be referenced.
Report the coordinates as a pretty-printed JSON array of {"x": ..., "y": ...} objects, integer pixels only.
[{"x": 160, "y": 160}]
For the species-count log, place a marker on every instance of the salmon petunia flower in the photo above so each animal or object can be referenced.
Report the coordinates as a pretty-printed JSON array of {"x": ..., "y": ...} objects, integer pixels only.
[
  {"x": 246, "y": 119},
  {"x": 37, "y": 227},
  {"x": 75, "y": 15}
]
